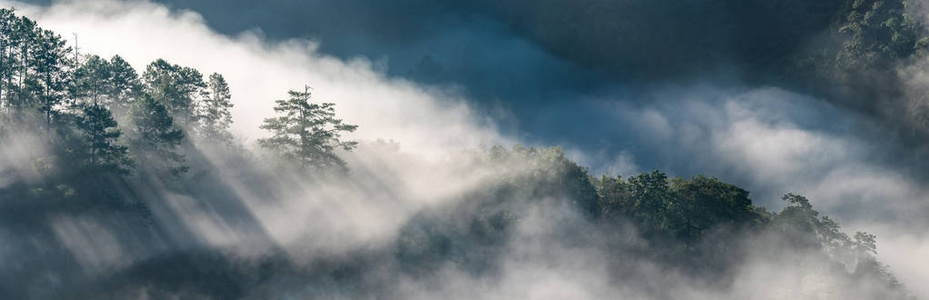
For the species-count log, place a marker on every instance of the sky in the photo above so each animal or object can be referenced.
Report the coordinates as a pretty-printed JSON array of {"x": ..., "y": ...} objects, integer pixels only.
[{"x": 624, "y": 87}]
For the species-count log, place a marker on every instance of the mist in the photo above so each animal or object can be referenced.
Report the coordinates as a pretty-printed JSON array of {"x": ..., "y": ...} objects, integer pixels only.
[{"x": 427, "y": 209}]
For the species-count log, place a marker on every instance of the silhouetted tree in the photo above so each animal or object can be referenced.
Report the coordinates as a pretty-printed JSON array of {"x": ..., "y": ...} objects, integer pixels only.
[
  {"x": 176, "y": 87},
  {"x": 7, "y": 58},
  {"x": 307, "y": 132},
  {"x": 92, "y": 80},
  {"x": 113, "y": 84},
  {"x": 650, "y": 197},
  {"x": 156, "y": 138},
  {"x": 52, "y": 74},
  {"x": 22, "y": 88},
  {"x": 101, "y": 151},
  {"x": 215, "y": 118},
  {"x": 702, "y": 203},
  {"x": 124, "y": 85}
]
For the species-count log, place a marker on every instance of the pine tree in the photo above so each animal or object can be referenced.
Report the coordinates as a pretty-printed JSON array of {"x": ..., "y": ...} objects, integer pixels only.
[
  {"x": 101, "y": 151},
  {"x": 215, "y": 119},
  {"x": 20, "y": 82},
  {"x": 7, "y": 59},
  {"x": 113, "y": 83},
  {"x": 92, "y": 81},
  {"x": 307, "y": 132},
  {"x": 156, "y": 138},
  {"x": 176, "y": 87},
  {"x": 52, "y": 74},
  {"x": 125, "y": 85}
]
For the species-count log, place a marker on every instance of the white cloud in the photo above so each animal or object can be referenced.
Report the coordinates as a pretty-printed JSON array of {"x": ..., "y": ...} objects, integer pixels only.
[
  {"x": 754, "y": 137},
  {"x": 421, "y": 118},
  {"x": 771, "y": 142}
]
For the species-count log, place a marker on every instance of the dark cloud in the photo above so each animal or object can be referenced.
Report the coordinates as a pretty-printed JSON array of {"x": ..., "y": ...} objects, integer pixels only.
[
  {"x": 632, "y": 39},
  {"x": 543, "y": 69},
  {"x": 546, "y": 71},
  {"x": 524, "y": 56}
]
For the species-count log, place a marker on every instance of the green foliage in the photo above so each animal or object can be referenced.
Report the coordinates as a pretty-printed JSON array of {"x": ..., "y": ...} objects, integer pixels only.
[
  {"x": 703, "y": 202},
  {"x": 875, "y": 34},
  {"x": 18, "y": 37},
  {"x": 472, "y": 232},
  {"x": 215, "y": 117},
  {"x": 650, "y": 199},
  {"x": 113, "y": 83},
  {"x": 124, "y": 84},
  {"x": 799, "y": 222},
  {"x": 177, "y": 88},
  {"x": 52, "y": 75},
  {"x": 613, "y": 195},
  {"x": 100, "y": 151},
  {"x": 8, "y": 61},
  {"x": 803, "y": 227},
  {"x": 857, "y": 63},
  {"x": 155, "y": 137},
  {"x": 307, "y": 133},
  {"x": 545, "y": 173},
  {"x": 34, "y": 71},
  {"x": 91, "y": 80},
  {"x": 679, "y": 208}
]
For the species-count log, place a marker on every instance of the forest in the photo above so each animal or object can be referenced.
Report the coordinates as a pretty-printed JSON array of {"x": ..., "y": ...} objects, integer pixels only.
[{"x": 89, "y": 144}]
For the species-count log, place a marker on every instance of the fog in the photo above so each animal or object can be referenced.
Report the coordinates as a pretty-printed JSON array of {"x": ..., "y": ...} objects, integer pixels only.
[{"x": 420, "y": 158}]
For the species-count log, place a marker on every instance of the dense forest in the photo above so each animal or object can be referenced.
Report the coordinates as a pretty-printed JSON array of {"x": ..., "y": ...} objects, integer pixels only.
[{"x": 90, "y": 145}]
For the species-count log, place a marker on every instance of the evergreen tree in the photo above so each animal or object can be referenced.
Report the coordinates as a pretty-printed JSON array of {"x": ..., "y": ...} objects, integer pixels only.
[
  {"x": 34, "y": 73},
  {"x": 215, "y": 119},
  {"x": 156, "y": 138},
  {"x": 125, "y": 85},
  {"x": 7, "y": 59},
  {"x": 113, "y": 83},
  {"x": 101, "y": 151},
  {"x": 52, "y": 74},
  {"x": 176, "y": 87},
  {"x": 21, "y": 82},
  {"x": 307, "y": 132},
  {"x": 92, "y": 81}
]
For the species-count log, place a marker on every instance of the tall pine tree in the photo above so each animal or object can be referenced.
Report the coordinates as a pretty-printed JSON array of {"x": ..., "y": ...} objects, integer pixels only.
[
  {"x": 125, "y": 85},
  {"x": 177, "y": 88},
  {"x": 307, "y": 132},
  {"x": 101, "y": 151},
  {"x": 92, "y": 80},
  {"x": 215, "y": 117},
  {"x": 155, "y": 137},
  {"x": 52, "y": 74}
]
